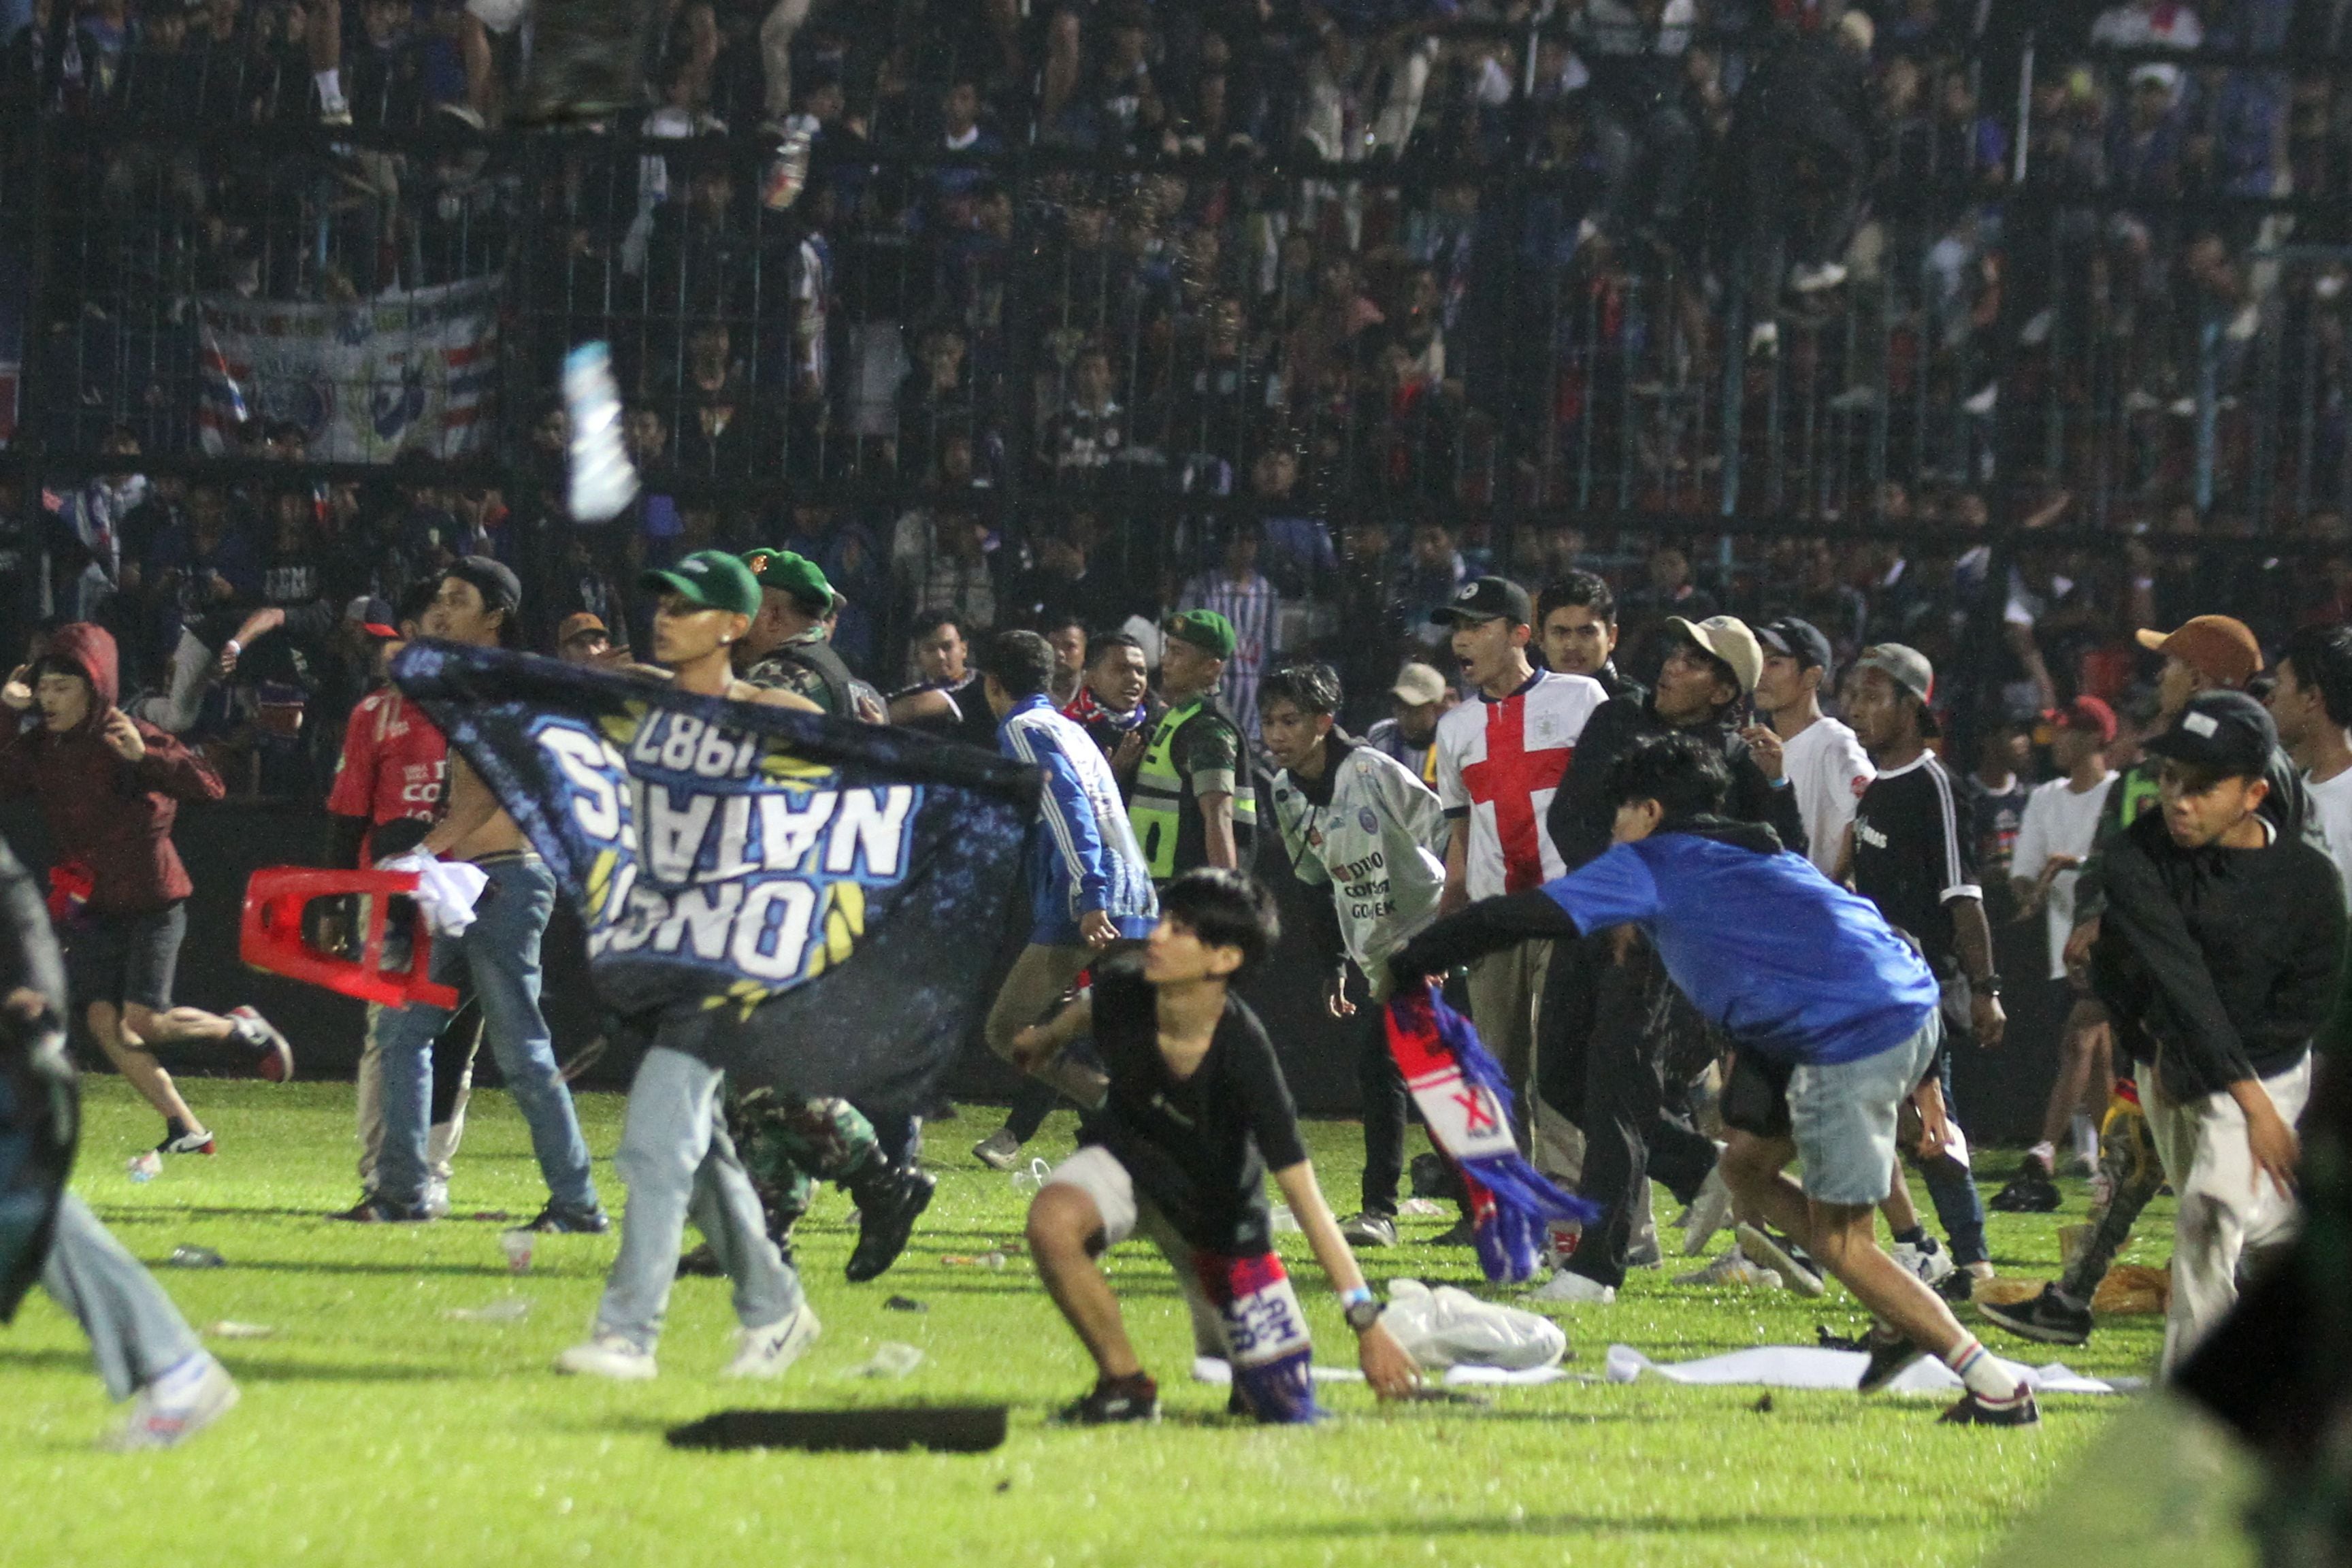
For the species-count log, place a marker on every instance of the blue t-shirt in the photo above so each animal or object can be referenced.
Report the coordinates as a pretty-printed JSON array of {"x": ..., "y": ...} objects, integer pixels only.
[{"x": 1784, "y": 960}]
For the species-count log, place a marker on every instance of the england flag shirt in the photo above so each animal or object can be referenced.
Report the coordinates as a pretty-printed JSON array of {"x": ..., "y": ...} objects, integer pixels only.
[{"x": 1498, "y": 766}]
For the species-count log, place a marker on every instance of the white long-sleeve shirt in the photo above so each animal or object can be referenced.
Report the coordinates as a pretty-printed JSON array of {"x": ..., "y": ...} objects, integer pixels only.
[{"x": 1378, "y": 845}]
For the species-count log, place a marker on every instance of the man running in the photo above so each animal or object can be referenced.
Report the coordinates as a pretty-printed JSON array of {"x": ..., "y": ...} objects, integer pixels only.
[
  {"x": 496, "y": 959},
  {"x": 675, "y": 1154},
  {"x": 109, "y": 788},
  {"x": 1833, "y": 1017},
  {"x": 1355, "y": 821},
  {"x": 1088, "y": 885},
  {"x": 1196, "y": 1113}
]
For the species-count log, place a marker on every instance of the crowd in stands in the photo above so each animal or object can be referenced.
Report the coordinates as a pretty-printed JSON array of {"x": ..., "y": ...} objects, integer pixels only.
[{"x": 1035, "y": 281}]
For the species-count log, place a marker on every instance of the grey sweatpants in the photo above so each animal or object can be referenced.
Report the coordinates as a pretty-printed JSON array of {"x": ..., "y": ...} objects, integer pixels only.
[
  {"x": 136, "y": 1335},
  {"x": 679, "y": 1164}
]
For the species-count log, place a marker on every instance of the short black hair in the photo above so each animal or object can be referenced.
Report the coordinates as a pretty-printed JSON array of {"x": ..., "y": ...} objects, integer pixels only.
[
  {"x": 925, "y": 624},
  {"x": 1685, "y": 777},
  {"x": 1097, "y": 646},
  {"x": 1309, "y": 684},
  {"x": 1057, "y": 620},
  {"x": 2322, "y": 659},
  {"x": 1226, "y": 908},
  {"x": 1589, "y": 590},
  {"x": 416, "y": 599},
  {"x": 1022, "y": 662}
]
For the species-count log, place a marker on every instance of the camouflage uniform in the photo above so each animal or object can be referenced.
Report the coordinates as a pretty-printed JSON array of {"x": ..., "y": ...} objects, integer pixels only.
[
  {"x": 781, "y": 672},
  {"x": 789, "y": 1144}
]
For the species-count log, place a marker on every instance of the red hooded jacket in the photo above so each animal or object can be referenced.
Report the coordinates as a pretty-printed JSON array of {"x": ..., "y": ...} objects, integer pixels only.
[{"x": 113, "y": 817}]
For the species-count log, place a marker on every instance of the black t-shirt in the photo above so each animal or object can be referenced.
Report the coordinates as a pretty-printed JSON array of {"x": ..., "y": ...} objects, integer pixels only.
[
  {"x": 1912, "y": 856},
  {"x": 974, "y": 723},
  {"x": 1199, "y": 1149}
]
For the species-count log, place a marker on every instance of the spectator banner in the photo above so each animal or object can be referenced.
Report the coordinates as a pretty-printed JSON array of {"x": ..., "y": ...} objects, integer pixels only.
[
  {"x": 406, "y": 370},
  {"x": 805, "y": 901}
]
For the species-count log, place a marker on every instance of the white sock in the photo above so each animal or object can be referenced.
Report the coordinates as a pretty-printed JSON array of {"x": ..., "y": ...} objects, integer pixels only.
[
  {"x": 1986, "y": 1377},
  {"x": 2086, "y": 1138},
  {"x": 178, "y": 1379},
  {"x": 2045, "y": 1153},
  {"x": 331, "y": 84}
]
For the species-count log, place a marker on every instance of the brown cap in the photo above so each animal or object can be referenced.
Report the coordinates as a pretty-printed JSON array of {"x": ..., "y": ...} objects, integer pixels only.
[
  {"x": 2218, "y": 647},
  {"x": 578, "y": 624}
]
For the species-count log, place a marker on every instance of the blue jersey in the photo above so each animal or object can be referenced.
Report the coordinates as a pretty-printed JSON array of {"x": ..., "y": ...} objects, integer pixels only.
[{"x": 1784, "y": 960}]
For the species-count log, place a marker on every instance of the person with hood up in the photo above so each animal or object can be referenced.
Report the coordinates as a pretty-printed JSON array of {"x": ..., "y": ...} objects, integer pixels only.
[{"x": 109, "y": 787}]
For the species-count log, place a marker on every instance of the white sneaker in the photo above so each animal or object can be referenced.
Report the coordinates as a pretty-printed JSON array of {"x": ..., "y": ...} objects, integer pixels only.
[
  {"x": 608, "y": 1355},
  {"x": 1734, "y": 1269},
  {"x": 1709, "y": 1212},
  {"x": 766, "y": 1353},
  {"x": 1772, "y": 1255},
  {"x": 1566, "y": 1286},
  {"x": 436, "y": 1201},
  {"x": 1000, "y": 1150},
  {"x": 1930, "y": 1263},
  {"x": 174, "y": 1408}
]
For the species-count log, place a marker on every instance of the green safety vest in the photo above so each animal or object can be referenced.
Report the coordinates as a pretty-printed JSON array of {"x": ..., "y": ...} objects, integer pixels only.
[{"x": 1157, "y": 810}]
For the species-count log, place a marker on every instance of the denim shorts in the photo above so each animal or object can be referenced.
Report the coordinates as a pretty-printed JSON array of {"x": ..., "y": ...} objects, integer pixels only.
[
  {"x": 1843, "y": 1114},
  {"x": 125, "y": 959}
]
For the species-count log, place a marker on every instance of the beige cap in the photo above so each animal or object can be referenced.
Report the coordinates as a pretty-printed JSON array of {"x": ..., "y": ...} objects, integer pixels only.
[
  {"x": 1418, "y": 685},
  {"x": 1728, "y": 639}
]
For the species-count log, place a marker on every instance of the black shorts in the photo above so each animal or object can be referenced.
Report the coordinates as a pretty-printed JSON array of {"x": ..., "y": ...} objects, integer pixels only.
[
  {"x": 1755, "y": 1095},
  {"x": 125, "y": 959}
]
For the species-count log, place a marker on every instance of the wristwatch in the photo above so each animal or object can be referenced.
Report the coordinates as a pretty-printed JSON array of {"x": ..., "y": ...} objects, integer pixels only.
[
  {"x": 1989, "y": 986},
  {"x": 1363, "y": 1308}
]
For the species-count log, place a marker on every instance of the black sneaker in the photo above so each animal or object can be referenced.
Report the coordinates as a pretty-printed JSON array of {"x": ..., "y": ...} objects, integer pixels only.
[
  {"x": 886, "y": 1218},
  {"x": 1115, "y": 1400},
  {"x": 1974, "y": 1411},
  {"x": 373, "y": 1210},
  {"x": 1461, "y": 1234},
  {"x": 702, "y": 1263},
  {"x": 1889, "y": 1358},
  {"x": 2046, "y": 1317},
  {"x": 561, "y": 1219},
  {"x": 2031, "y": 1191}
]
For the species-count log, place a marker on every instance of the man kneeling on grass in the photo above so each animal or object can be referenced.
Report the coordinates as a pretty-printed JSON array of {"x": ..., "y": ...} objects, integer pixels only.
[
  {"x": 1834, "y": 1017},
  {"x": 1197, "y": 1111}
]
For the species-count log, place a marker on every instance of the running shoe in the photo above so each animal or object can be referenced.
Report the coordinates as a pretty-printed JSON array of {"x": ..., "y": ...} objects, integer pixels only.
[
  {"x": 769, "y": 1351},
  {"x": 274, "y": 1055},
  {"x": 1974, "y": 1411},
  {"x": 1368, "y": 1229},
  {"x": 1891, "y": 1354},
  {"x": 1929, "y": 1262},
  {"x": 1708, "y": 1212},
  {"x": 1782, "y": 1257},
  {"x": 1734, "y": 1269},
  {"x": 1461, "y": 1233},
  {"x": 2031, "y": 1191},
  {"x": 886, "y": 1219},
  {"x": 2047, "y": 1318},
  {"x": 1000, "y": 1150},
  {"x": 196, "y": 1141},
  {"x": 175, "y": 1406},
  {"x": 1115, "y": 1400},
  {"x": 562, "y": 1219},
  {"x": 607, "y": 1354}
]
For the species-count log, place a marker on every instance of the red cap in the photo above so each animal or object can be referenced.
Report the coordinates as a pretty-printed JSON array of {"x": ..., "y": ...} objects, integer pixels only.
[{"x": 2088, "y": 713}]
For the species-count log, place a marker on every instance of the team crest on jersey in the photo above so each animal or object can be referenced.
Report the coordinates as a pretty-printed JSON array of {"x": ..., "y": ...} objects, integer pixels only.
[{"x": 1367, "y": 819}]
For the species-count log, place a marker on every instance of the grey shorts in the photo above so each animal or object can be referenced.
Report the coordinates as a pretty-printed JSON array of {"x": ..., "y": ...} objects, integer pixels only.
[
  {"x": 1842, "y": 1117},
  {"x": 1097, "y": 1171},
  {"x": 119, "y": 959}
]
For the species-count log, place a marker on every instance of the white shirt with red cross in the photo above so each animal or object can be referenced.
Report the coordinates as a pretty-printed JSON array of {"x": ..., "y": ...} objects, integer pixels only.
[{"x": 1498, "y": 766}]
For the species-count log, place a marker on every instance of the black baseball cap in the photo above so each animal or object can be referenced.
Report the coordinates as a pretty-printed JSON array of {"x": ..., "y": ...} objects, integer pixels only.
[
  {"x": 494, "y": 580},
  {"x": 1799, "y": 639},
  {"x": 1487, "y": 599},
  {"x": 2225, "y": 733}
]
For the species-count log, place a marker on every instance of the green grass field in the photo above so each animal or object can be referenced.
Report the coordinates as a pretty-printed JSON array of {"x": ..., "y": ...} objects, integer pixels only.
[{"x": 376, "y": 1430}]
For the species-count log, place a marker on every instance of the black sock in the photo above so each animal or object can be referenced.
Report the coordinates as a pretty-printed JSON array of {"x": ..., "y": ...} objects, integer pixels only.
[
  {"x": 1915, "y": 1237},
  {"x": 174, "y": 1128}
]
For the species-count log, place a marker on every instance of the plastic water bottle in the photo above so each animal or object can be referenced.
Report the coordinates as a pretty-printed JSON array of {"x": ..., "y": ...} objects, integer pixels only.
[
  {"x": 192, "y": 1257},
  {"x": 1027, "y": 1179},
  {"x": 145, "y": 1167}
]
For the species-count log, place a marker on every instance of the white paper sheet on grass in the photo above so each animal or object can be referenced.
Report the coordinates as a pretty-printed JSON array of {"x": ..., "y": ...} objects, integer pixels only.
[
  {"x": 1810, "y": 1366},
  {"x": 1208, "y": 1369}
]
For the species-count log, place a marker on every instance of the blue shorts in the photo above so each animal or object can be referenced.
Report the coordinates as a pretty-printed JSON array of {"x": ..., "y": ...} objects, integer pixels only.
[{"x": 1843, "y": 1114}]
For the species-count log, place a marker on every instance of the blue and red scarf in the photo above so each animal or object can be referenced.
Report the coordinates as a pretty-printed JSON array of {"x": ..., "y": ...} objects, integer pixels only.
[{"x": 1466, "y": 1104}]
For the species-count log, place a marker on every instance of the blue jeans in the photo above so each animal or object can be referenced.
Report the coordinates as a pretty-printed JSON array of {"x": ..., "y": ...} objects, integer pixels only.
[
  {"x": 1958, "y": 1205},
  {"x": 496, "y": 960}
]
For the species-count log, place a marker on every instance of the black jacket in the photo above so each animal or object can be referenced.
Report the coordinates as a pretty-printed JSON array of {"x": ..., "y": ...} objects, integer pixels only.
[
  {"x": 1582, "y": 816},
  {"x": 2216, "y": 965}
]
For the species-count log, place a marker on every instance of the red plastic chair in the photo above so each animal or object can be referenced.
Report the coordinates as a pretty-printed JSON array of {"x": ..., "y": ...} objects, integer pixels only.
[{"x": 271, "y": 936}]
